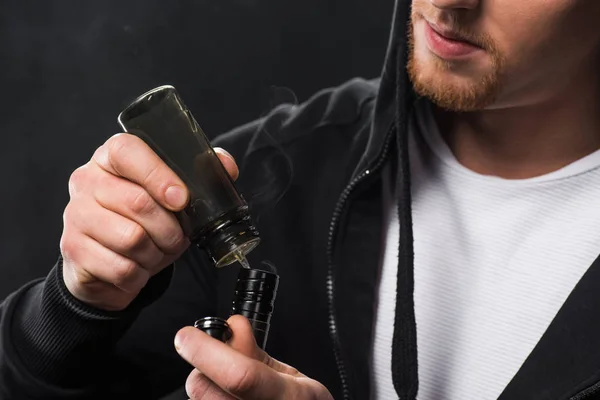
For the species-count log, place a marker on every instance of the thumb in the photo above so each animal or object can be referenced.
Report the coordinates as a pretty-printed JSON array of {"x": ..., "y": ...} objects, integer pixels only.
[
  {"x": 243, "y": 341},
  {"x": 228, "y": 162}
]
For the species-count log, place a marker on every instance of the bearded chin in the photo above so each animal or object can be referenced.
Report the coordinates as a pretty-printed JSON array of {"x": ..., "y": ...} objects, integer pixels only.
[{"x": 432, "y": 78}]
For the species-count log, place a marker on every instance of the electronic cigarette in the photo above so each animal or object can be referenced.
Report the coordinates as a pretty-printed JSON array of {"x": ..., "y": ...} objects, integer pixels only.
[{"x": 254, "y": 298}]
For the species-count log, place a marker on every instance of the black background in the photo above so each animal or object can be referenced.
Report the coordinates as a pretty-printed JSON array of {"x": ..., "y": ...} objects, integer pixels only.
[{"x": 67, "y": 68}]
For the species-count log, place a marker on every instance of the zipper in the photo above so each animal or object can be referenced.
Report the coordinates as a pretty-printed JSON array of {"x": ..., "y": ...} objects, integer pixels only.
[
  {"x": 333, "y": 227},
  {"x": 594, "y": 389}
]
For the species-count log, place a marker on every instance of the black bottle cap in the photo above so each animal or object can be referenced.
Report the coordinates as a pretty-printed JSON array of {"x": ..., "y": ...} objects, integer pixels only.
[{"x": 215, "y": 327}]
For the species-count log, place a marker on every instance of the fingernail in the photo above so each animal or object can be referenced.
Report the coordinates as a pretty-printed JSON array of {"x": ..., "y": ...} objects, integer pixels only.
[
  {"x": 178, "y": 342},
  {"x": 224, "y": 152},
  {"x": 176, "y": 196}
]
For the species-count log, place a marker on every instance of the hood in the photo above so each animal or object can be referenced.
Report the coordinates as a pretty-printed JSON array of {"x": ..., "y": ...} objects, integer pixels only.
[{"x": 395, "y": 91}]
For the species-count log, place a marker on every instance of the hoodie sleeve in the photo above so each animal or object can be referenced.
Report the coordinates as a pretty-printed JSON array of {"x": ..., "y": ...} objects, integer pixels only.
[{"x": 51, "y": 343}]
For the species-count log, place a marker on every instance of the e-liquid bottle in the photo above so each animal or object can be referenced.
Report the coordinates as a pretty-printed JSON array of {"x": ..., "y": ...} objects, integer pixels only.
[{"x": 217, "y": 218}]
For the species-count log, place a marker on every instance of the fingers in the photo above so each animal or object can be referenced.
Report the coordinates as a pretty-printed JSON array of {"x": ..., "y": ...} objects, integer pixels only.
[
  {"x": 128, "y": 156},
  {"x": 241, "y": 369},
  {"x": 133, "y": 202},
  {"x": 243, "y": 341},
  {"x": 98, "y": 294},
  {"x": 124, "y": 237},
  {"x": 97, "y": 262},
  {"x": 119, "y": 228},
  {"x": 228, "y": 162},
  {"x": 198, "y": 387},
  {"x": 306, "y": 388},
  {"x": 232, "y": 371}
]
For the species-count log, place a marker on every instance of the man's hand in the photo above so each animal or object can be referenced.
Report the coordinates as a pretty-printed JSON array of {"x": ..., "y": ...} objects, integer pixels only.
[
  {"x": 240, "y": 370},
  {"x": 119, "y": 227}
]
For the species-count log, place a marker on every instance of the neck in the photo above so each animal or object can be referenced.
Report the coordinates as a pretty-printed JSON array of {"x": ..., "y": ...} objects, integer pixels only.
[{"x": 527, "y": 141}]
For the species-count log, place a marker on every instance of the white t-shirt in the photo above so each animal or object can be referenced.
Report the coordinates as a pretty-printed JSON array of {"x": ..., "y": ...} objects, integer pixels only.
[{"x": 495, "y": 259}]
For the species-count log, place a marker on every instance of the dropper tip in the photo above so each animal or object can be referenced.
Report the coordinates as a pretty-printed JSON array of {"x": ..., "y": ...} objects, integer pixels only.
[{"x": 242, "y": 260}]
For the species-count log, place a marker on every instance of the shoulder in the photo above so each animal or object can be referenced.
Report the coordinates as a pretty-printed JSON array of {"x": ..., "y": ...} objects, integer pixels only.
[
  {"x": 318, "y": 142},
  {"x": 347, "y": 105}
]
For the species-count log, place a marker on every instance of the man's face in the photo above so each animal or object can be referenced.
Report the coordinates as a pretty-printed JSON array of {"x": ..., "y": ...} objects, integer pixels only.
[{"x": 520, "y": 51}]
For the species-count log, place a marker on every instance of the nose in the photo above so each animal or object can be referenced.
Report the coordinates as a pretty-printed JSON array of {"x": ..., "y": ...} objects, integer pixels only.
[{"x": 454, "y": 4}]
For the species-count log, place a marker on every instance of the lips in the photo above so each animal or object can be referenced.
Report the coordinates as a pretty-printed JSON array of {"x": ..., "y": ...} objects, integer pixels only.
[
  {"x": 447, "y": 44},
  {"x": 448, "y": 34}
]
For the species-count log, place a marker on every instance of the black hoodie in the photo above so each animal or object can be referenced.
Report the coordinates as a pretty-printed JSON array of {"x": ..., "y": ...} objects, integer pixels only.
[{"x": 312, "y": 174}]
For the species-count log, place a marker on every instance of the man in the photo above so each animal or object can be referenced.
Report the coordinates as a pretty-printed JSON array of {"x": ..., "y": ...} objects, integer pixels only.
[{"x": 494, "y": 167}]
